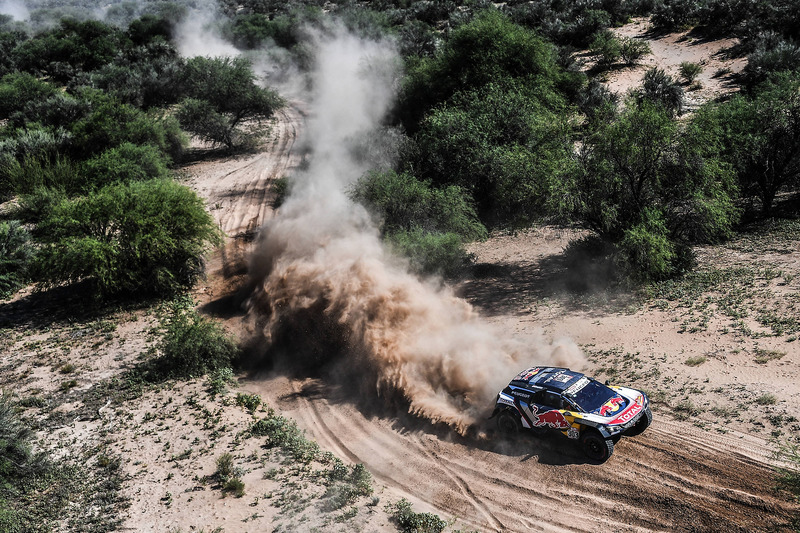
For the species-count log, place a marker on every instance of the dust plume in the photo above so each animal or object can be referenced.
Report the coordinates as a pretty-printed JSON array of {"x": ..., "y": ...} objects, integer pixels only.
[{"x": 328, "y": 293}]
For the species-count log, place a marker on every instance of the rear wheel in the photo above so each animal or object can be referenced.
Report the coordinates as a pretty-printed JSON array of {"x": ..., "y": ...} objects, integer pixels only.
[
  {"x": 508, "y": 423},
  {"x": 596, "y": 447},
  {"x": 642, "y": 424}
]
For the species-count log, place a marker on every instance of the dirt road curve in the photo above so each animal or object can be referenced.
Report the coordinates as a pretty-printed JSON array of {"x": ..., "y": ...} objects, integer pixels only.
[{"x": 673, "y": 478}]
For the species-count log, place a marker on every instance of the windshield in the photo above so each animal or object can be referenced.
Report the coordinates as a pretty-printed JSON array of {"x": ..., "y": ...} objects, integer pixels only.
[{"x": 590, "y": 395}]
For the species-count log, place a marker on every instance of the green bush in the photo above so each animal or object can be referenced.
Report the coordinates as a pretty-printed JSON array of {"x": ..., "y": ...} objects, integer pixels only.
[
  {"x": 126, "y": 162},
  {"x": 430, "y": 253},
  {"x": 632, "y": 50},
  {"x": 283, "y": 433},
  {"x": 192, "y": 345},
  {"x": 111, "y": 124},
  {"x": 15, "y": 255},
  {"x": 659, "y": 87},
  {"x": 689, "y": 71},
  {"x": 403, "y": 202},
  {"x": 501, "y": 146},
  {"x": 139, "y": 238},
  {"x": 488, "y": 49},
  {"x": 16, "y": 438},
  {"x": 606, "y": 48},
  {"x": 20, "y": 88},
  {"x": 411, "y": 522},
  {"x": 647, "y": 248},
  {"x": 31, "y": 174}
]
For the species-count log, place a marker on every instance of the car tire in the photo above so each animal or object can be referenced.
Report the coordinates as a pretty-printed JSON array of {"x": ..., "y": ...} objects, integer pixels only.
[
  {"x": 508, "y": 423},
  {"x": 642, "y": 424},
  {"x": 596, "y": 447}
]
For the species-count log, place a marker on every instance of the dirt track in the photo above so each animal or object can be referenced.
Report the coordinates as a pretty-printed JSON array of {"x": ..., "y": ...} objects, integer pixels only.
[{"x": 675, "y": 477}]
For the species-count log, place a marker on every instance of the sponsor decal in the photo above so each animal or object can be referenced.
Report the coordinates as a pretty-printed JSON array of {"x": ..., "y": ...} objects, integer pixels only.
[
  {"x": 611, "y": 406},
  {"x": 628, "y": 414},
  {"x": 561, "y": 377},
  {"x": 577, "y": 386},
  {"x": 573, "y": 433},
  {"x": 554, "y": 419},
  {"x": 505, "y": 401},
  {"x": 526, "y": 375},
  {"x": 521, "y": 394}
]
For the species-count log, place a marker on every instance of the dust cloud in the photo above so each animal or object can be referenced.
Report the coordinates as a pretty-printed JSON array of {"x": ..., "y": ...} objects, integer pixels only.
[{"x": 329, "y": 294}]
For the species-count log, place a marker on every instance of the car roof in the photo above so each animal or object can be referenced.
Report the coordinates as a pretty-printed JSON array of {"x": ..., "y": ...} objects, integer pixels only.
[{"x": 546, "y": 377}]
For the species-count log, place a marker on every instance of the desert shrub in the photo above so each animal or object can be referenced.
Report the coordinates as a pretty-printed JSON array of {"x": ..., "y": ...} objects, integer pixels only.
[
  {"x": 647, "y": 249},
  {"x": 676, "y": 15},
  {"x": 347, "y": 485},
  {"x": 772, "y": 54},
  {"x": 411, "y": 522},
  {"x": 126, "y": 162},
  {"x": 689, "y": 71},
  {"x": 660, "y": 87},
  {"x": 111, "y": 124},
  {"x": 192, "y": 345},
  {"x": 20, "y": 88},
  {"x": 16, "y": 439},
  {"x": 254, "y": 29},
  {"x": 632, "y": 50},
  {"x": 403, "y": 202},
  {"x": 138, "y": 238},
  {"x": 15, "y": 255},
  {"x": 500, "y": 146},
  {"x": 283, "y": 433},
  {"x": 33, "y": 173},
  {"x": 606, "y": 48},
  {"x": 598, "y": 103},
  {"x": 429, "y": 252},
  {"x": 248, "y": 401},
  {"x": 39, "y": 203}
]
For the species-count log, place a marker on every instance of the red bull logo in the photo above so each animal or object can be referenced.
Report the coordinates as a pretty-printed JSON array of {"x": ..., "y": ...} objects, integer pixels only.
[
  {"x": 553, "y": 418},
  {"x": 611, "y": 406}
]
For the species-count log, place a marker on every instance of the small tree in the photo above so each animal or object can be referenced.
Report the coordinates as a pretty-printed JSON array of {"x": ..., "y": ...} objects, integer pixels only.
[
  {"x": 762, "y": 138},
  {"x": 653, "y": 188},
  {"x": 221, "y": 94}
]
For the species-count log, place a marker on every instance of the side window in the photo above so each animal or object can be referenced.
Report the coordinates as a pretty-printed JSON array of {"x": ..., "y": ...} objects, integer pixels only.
[
  {"x": 538, "y": 397},
  {"x": 552, "y": 400}
]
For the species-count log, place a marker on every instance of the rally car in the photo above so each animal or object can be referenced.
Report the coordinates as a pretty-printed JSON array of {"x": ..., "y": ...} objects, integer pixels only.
[{"x": 544, "y": 398}]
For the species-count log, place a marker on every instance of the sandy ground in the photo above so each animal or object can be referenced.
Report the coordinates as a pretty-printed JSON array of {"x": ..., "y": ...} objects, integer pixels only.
[
  {"x": 704, "y": 465},
  {"x": 669, "y": 51}
]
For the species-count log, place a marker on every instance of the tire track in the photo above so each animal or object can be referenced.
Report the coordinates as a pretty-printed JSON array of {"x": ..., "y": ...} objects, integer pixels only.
[{"x": 496, "y": 524}]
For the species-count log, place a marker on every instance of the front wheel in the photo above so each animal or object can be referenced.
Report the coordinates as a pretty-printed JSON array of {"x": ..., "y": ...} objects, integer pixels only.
[
  {"x": 596, "y": 447},
  {"x": 508, "y": 423}
]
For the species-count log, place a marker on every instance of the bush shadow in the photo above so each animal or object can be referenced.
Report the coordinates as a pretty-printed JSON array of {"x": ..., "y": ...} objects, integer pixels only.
[{"x": 583, "y": 276}]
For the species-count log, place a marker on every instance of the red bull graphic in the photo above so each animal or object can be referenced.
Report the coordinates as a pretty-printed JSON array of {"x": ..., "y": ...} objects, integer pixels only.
[
  {"x": 526, "y": 375},
  {"x": 611, "y": 406},
  {"x": 553, "y": 418}
]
